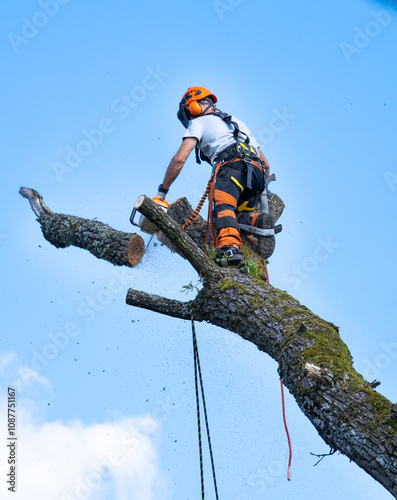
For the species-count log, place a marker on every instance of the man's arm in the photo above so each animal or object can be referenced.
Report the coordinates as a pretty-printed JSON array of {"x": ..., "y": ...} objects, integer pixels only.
[
  {"x": 178, "y": 161},
  {"x": 265, "y": 162}
]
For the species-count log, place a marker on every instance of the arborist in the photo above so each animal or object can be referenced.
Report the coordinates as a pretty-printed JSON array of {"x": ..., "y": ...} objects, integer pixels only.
[{"x": 239, "y": 168}]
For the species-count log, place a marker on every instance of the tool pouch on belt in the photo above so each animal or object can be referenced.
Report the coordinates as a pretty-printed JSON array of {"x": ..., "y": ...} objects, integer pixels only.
[{"x": 245, "y": 151}]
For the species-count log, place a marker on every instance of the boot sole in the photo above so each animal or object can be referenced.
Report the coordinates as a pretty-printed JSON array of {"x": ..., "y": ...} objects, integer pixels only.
[{"x": 266, "y": 244}]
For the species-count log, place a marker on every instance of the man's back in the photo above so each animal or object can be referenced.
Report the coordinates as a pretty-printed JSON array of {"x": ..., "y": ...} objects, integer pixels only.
[{"x": 214, "y": 134}]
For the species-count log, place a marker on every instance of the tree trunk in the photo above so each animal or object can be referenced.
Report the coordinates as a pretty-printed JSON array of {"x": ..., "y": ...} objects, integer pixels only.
[{"x": 314, "y": 363}]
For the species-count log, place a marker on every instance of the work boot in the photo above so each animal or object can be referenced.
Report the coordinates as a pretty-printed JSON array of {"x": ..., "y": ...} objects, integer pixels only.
[
  {"x": 229, "y": 256},
  {"x": 266, "y": 244}
]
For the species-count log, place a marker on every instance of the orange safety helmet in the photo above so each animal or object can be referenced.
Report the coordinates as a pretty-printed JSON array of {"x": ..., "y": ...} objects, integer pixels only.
[{"x": 190, "y": 106}]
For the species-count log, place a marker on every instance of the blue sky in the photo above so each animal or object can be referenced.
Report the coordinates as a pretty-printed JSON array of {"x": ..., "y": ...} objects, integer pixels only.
[{"x": 106, "y": 405}]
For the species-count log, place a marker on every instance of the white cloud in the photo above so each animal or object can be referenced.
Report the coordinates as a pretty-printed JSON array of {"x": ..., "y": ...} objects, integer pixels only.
[
  {"x": 73, "y": 462},
  {"x": 114, "y": 460},
  {"x": 5, "y": 360},
  {"x": 27, "y": 376},
  {"x": 19, "y": 375}
]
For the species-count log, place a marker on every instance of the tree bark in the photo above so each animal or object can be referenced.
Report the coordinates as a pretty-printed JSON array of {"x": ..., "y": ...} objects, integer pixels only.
[
  {"x": 314, "y": 363},
  {"x": 119, "y": 248}
]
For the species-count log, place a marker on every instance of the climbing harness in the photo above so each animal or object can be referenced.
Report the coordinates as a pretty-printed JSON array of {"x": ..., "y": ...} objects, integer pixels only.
[
  {"x": 248, "y": 160},
  {"x": 197, "y": 377}
]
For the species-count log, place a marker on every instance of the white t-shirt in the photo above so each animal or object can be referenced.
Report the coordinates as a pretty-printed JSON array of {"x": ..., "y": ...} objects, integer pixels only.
[{"x": 214, "y": 134}]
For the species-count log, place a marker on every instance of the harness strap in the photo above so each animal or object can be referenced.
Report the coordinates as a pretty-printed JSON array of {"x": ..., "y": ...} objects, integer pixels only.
[
  {"x": 197, "y": 155},
  {"x": 227, "y": 119}
]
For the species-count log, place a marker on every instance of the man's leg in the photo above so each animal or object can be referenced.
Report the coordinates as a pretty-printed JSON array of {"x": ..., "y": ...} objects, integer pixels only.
[
  {"x": 228, "y": 187},
  {"x": 266, "y": 244}
]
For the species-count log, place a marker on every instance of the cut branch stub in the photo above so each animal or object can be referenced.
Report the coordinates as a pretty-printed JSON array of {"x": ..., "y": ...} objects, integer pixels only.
[
  {"x": 318, "y": 373},
  {"x": 159, "y": 304}
]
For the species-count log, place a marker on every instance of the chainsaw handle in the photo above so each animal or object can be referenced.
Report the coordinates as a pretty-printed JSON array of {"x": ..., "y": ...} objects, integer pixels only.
[{"x": 132, "y": 218}]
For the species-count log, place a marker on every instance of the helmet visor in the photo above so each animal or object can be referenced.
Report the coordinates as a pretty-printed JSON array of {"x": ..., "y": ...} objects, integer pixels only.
[{"x": 182, "y": 116}]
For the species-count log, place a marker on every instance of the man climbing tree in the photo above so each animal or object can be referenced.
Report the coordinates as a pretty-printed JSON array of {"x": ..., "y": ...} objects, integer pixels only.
[{"x": 238, "y": 173}]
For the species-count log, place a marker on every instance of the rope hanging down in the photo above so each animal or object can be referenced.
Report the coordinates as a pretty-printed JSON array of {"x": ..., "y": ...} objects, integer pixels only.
[
  {"x": 283, "y": 405},
  {"x": 197, "y": 376},
  {"x": 286, "y": 430}
]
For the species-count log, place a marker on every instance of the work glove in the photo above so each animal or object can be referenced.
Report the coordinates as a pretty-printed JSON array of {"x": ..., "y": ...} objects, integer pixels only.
[{"x": 160, "y": 195}]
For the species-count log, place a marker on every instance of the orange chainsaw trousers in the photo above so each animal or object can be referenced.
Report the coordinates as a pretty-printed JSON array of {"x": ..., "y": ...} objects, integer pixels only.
[{"x": 237, "y": 187}]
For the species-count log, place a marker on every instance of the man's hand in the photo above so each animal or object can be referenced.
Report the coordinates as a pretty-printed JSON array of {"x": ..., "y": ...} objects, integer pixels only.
[{"x": 162, "y": 192}]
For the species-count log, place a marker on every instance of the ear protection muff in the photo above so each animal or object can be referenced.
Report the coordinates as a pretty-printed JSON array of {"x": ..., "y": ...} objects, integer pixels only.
[{"x": 194, "y": 108}]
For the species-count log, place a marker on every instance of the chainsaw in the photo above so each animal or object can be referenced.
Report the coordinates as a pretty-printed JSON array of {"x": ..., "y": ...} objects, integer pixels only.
[{"x": 144, "y": 224}]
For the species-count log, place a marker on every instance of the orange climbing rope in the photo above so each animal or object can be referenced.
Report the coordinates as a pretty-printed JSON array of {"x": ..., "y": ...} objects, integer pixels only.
[
  {"x": 199, "y": 206},
  {"x": 283, "y": 405},
  {"x": 286, "y": 430},
  {"x": 210, "y": 218}
]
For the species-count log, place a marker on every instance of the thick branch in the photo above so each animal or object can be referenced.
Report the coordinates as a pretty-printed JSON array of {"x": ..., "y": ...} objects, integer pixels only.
[
  {"x": 162, "y": 305},
  {"x": 117, "y": 247},
  {"x": 159, "y": 304}
]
